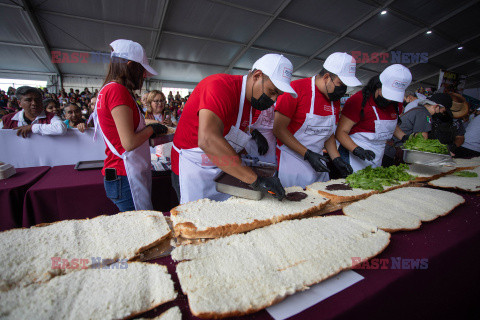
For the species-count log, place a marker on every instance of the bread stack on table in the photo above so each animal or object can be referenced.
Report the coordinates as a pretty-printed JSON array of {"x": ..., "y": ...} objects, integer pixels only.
[{"x": 247, "y": 255}]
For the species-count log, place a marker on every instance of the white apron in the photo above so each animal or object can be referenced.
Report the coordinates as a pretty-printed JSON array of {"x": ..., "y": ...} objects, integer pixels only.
[
  {"x": 196, "y": 172},
  {"x": 293, "y": 169},
  {"x": 374, "y": 141},
  {"x": 137, "y": 165},
  {"x": 264, "y": 125}
]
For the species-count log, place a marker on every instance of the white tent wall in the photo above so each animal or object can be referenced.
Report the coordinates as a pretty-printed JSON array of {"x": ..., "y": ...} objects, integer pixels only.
[
  {"x": 80, "y": 83},
  {"x": 473, "y": 92}
]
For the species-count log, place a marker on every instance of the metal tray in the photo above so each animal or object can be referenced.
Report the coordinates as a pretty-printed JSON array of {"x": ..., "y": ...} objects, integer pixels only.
[
  {"x": 225, "y": 183},
  {"x": 427, "y": 158},
  {"x": 89, "y": 165}
]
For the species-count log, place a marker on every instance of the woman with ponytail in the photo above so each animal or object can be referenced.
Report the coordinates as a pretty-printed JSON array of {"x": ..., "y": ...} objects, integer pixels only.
[{"x": 369, "y": 118}]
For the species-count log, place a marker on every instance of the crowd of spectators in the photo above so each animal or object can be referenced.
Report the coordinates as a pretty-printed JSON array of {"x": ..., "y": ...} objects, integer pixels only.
[{"x": 74, "y": 108}]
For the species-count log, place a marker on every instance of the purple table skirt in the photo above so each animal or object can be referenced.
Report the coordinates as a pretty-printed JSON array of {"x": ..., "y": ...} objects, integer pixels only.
[
  {"x": 65, "y": 193},
  {"x": 12, "y": 193},
  {"x": 447, "y": 289}
]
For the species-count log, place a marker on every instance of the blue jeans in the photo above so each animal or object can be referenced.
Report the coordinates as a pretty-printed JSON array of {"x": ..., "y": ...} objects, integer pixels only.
[{"x": 119, "y": 192}]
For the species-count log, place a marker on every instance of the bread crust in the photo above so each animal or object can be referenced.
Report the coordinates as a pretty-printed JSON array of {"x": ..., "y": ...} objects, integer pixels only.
[
  {"x": 189, "y": 231},
  {"x": 335, "y": 199},
  {"x": 212, "y": 315}
]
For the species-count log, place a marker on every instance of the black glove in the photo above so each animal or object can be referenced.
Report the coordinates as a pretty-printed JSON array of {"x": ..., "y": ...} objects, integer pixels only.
[
  {"x": 404, "y": 138},
  {"x": 270, "y": 184},
  {"x": 452, "y": 147},
  {"x": 260, "y": 141},
  {"x": 364, "y": 154},
  {"x": 158, "y": 129},
  {"x": 344, "y": 168},
  {"x": 315, "y": 161}
]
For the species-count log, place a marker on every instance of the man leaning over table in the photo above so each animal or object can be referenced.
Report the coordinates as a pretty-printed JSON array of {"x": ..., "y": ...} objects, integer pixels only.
[{"x": 32, "y": 117}]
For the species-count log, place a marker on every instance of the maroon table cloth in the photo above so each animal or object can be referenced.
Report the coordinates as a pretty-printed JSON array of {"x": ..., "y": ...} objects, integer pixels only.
[
  {"x": 447, "y": 289},
  {"x": 12, "y": 193},
  {"x": 65, "y": 193}
]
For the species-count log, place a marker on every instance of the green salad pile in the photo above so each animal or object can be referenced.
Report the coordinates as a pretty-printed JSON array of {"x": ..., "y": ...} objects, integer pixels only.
[
  {"x": 376, "y": 178},
  {"x": 467, "y": 174},
  {"x": 418, "y": 142}
]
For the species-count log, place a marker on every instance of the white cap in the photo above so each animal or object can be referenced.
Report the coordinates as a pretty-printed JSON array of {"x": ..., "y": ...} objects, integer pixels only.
[
  {"x": 395, "y": 80},
  {"x": 130, "y": 50},
  {"x": 279, "y": 69},
  {"x": 344, "y": 66}
]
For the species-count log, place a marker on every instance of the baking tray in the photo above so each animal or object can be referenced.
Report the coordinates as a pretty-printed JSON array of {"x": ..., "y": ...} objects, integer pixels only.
[
  {"x": 228, "y": 184},
  {"x": 89, "y": 165},
  {"x": 427, "y": 158}
]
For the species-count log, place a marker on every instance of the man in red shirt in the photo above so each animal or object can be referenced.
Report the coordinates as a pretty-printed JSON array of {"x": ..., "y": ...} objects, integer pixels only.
[
  {"x": 212, "y": 129},
  {"x": 306, "y": 125}
]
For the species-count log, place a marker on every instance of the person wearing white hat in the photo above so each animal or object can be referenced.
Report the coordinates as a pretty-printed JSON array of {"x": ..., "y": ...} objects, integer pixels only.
[
  {"x": 214, "y": 128},
  {"x": 127, "y": 172},
  {"x": 369, "y": 118},
  {"x": 306, "y": 125}
]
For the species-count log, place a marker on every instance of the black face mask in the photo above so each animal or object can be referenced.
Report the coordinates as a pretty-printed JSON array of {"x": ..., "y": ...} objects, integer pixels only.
[
  {"x": 381, "y": 102},
  {"x": 337, "y": 93},
  {"x": 262, "y": 103}
]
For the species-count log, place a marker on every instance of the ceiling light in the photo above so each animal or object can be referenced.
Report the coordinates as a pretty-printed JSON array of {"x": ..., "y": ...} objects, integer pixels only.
[
  {"x": 460, "y": 48},
  {"x": 383, "y": 12},
  {"x": 429, "y": 31}
]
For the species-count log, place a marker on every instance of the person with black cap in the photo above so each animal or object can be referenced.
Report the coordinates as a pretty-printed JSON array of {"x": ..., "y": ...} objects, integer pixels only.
[
  {"x": 415, "y": 120},
  {"x": 306, "y": 125},
  {"x": 214, "y": 128},
  {"x": 369, "y": 118}
]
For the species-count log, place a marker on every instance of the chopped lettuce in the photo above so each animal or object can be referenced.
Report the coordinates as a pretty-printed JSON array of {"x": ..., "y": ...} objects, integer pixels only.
[
  {"x": 418, "y": 142},
  {"x": 376, "y": 178},
  {"x": 467, "y": 174}
]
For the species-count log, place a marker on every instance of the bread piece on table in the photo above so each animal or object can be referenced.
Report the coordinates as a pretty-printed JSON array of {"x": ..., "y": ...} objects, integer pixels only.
[
  {"x": 173, "y": 313},
  {"x": 465, "y": 164},
  {"x": 212, "y": 219},
  {"x": 339, "y": 196},
  {"x": 459, "y": 183},
  {"x": 244, "y": 273},
  {"x": 92, "y": 294},
  {"x": 404, "y": 208},
  {"x": 427, "y": 173},
  {"x": 28, "y": 255}
]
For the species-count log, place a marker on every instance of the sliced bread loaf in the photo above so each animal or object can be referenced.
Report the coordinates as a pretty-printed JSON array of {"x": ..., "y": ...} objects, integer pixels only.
[
  {"x": 427, "y": 173},
  {"x": 467, "y": 163},
  {"x": 206, "y": 218},
  {"x": 404, "y": 208},
  {"x": 244, "y": 273},
  {"x": 91, "y": 294},
  {"x": 39, "y": 253},
  {"x": 470, "y": 184},
  {"x": 338, "y": 191}
]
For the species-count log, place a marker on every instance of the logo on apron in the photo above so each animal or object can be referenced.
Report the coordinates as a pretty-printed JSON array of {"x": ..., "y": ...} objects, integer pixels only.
[{"x": 317, "y": 130}]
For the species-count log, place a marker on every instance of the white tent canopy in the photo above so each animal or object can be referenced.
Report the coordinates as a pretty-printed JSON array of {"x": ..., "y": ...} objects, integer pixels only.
[{"x": 187, "y": 40}]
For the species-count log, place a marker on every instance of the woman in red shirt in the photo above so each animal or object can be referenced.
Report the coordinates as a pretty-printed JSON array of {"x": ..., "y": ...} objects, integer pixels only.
[
  {"x": 369, "y": 118},
  {"x": 127, "y": 168}
]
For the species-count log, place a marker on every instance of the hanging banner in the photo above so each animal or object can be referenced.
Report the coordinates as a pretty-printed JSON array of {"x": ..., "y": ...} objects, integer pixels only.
[{"x": 451, "y": 82}]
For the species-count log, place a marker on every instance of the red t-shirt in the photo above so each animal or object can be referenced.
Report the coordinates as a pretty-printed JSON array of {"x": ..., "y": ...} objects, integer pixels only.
[
  {"x": 352, "y": 108},
  {"x": 297, "y": 109},
  {"x": 112, "y": 96},
  {"x": 219, "y": 93}
]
